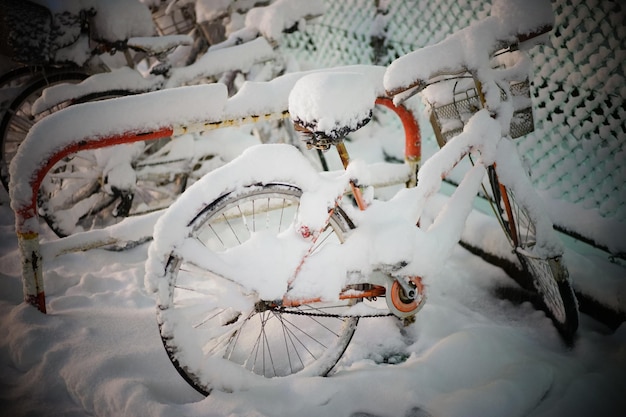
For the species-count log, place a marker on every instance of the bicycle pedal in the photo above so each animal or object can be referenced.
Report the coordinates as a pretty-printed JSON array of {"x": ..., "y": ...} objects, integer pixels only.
[{"x": 125, "y": 204}]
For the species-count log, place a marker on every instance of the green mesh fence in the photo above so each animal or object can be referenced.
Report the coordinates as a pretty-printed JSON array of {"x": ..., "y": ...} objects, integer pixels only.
[
  {"x": 578, "y": 147},
  {"x": 577, "y": 152}
]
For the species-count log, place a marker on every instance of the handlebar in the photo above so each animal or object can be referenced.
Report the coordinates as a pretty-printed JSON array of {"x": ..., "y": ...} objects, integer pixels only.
[{"x": 468, "y": 50}]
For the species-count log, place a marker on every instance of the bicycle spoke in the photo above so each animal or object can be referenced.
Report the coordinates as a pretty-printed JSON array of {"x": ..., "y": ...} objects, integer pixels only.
[
  {"x": 307, "y": 334},
  {"x": 546, "y": 276},
  {"x": 208, "y": 318},
  {"x": 287, "y": 334},
  {"x": 73, "y": 175},
  {"x": 228, "y": 321},
  {"x": 290, "y": 342},
  {"x": 230, "y": 226},
  {"x": 21, "y": 123},
  {"x": 244, "y": 220},
  {"x": 266, "y": 344}
]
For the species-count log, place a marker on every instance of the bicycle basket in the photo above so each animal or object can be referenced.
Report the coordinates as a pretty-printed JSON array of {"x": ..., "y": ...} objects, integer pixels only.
[
  {"x": 25, "y": 29},
  {"x": 448, "y": 119},
  {"x": 179, "y": 21}
]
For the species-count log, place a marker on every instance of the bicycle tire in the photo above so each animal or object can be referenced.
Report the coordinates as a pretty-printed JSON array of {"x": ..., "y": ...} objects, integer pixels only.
[
  {"x": 14, "y": 80},
  {"x": 18, "y": 118},
  {"x": 26, "y": 72},
  {"x": 548, "y": 278},
  {"x": 210, "y": 326}
]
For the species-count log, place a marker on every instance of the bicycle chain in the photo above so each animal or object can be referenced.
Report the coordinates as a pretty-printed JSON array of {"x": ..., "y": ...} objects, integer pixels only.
[{"x": 303, "y": 313}]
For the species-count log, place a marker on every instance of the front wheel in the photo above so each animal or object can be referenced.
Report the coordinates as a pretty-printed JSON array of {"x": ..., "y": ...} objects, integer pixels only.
[
  {"x": 217, "y": 324},
  {"x": 550, "y": 279},
  {"x": 547, "y": 277}
]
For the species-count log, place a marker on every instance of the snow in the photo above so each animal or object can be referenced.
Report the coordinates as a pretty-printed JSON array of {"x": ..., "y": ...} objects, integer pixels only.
[
  {"x": 330, "y": 101},
  {"x": 159, "y": 44},
  {"x": 207, "y": 10},
  {"x": 522, "y": 18},
  {"x": 98, "y": 352},
  {"x": 201, "y": 102},
  {"x": 115, "y": 19},
  {"x": 468, "y": 48},
  {"x": 238, "y": 57},
  {"x": 469, "y": 352},
  {"x": 270, "y": 21}
]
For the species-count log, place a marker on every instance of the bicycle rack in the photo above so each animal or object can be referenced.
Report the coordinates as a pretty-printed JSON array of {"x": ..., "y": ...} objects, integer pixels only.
[{"x": 25, "y": 210}]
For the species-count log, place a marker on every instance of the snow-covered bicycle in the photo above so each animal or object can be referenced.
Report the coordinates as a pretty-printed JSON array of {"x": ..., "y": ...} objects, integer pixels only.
[
  {"x": 94, "y": 189},
  {"x": 53, "y": 43},
  {"x": 264, "y": 267}
]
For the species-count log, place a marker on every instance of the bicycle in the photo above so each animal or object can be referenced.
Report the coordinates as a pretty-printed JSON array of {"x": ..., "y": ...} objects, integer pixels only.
[
  {"x": 76, "y": 44},
  {"x": 136, "y": 179},
  {"x": 28, "y": 107},
  {"x": 263, "y": 269}
]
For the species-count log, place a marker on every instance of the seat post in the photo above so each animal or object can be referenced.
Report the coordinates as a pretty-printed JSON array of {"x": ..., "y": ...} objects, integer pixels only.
[
  {"x": 343, "y": 154},
  {"x": 345, "y": 160}
]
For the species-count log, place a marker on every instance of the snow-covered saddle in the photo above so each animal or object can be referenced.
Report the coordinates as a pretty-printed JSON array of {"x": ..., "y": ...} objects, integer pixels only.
[{"x": 326, "y": 106}]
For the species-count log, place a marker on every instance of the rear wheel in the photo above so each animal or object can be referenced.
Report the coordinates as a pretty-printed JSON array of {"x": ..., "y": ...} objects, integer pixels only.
[
  {"x": 218, "y": 332},
  {"x": 549, "y": 277},
  {"x": 11, "y": 84},
  {"x": 19, "y": 118},
  {"x": 13, "y": 81}
]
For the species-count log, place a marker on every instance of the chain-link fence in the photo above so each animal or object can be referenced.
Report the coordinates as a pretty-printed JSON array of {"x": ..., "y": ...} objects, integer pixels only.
[{"x": 577, "y": 152}]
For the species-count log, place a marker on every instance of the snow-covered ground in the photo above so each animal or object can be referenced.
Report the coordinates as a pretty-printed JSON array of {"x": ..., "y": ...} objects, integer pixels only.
[{"x": 469, "y": 353}]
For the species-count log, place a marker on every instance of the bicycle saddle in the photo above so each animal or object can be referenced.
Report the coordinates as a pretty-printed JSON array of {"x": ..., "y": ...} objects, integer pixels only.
[{"x": 326, "y": 106}]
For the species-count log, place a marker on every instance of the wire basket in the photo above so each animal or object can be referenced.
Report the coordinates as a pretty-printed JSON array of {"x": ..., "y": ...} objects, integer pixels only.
[
  {"x": 179, "y": 21},
  {"x": 449, "y": 119}
]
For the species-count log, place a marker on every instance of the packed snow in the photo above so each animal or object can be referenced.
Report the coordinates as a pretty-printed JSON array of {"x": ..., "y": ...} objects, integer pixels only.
[
  {"x": 236, "y": 58},
  {"x": 98, "y": 351},
  {"x": 115, "y": 20},
  {"x": 470, "y": 352}
]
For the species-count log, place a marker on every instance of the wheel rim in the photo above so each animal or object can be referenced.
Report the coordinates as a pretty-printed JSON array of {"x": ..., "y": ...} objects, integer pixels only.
[
  {"x": 549, "y": 276},
  {"x": 547, "y": 286},
  {"x": 18, "y": 118},
  {"x": 208, "y": 317}
]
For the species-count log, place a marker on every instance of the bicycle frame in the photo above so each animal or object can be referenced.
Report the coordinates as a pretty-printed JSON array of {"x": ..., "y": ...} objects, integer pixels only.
[
  {"x": 208, "y": 288},
  {"x": 125, "y": 81},
  {"x": 216, "y": 112},
  {"x": 266, "y": 238},
  {"x": 487, "y": 141},
  {"x": 410, "y": 202}
]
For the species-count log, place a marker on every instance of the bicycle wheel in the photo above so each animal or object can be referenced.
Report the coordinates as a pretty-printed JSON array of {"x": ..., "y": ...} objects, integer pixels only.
[
  {"x": 18, "y": 118},
  {"x": 218, "y": 333},
  {"x": 11, "y": 83},
  {"x": 74, "y": 196},
  {"x": 548, "y": 278}
]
